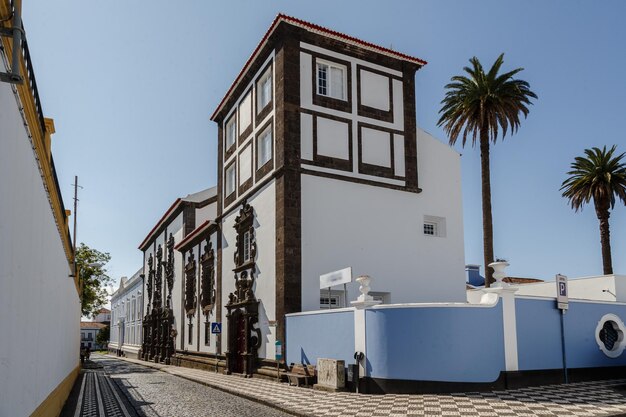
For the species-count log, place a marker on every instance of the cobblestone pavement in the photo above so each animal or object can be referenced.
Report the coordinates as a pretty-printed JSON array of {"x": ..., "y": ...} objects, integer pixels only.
[
  {"x": 158, "y": 394},
  {"x": 601, "y": 398}
]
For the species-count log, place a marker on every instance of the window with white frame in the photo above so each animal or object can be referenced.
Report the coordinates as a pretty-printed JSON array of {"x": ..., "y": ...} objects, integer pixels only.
[
  {"x": 231, "y": 178},
  {"x": 231, "y": 132},
  {"x": 134, "y": 313},
  {"x": 435, "y": 226},
  {"x": 331, "y": 80},
  {"x": 264, "y": 147},
  {"x": 264, "y": 90}
]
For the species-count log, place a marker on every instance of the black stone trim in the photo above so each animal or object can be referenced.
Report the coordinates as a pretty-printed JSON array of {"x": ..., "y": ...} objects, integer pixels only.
[
  {"x": 262, "y": 113},
  {"x": 372, "y": 112},
  {"x": 262, "y": 171},
  {"x": 359, "y": 180},
  {"x": 376, "y": 170},
  {"x": 232, "y": 196},
  {"x": 328, "y": 161},
  {"x": 232, "y": 148},
  {"x": 244, "y": 135},
  {"x": 248, "y": 183},
  {"x": 506, "y": 380},
  {"x": 326, "y": 101}
]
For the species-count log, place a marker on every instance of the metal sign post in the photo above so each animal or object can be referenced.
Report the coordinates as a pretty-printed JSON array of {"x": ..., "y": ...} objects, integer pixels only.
[
  {"x": 562, "y": 303},
  {"x": 216, "y": 328}
]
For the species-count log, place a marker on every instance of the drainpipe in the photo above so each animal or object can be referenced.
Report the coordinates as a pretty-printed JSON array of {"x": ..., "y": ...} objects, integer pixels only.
[{"x": 16, "y": 32}]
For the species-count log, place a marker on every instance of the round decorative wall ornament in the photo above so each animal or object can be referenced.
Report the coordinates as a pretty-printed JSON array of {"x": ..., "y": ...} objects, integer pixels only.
[{"x": 610, "y": 333}]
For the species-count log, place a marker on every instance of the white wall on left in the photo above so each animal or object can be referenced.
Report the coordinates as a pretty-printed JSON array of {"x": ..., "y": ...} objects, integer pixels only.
[{"x": 37, "y": 296}]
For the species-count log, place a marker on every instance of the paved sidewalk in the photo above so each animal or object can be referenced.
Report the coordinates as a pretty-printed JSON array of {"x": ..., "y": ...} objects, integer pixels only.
[
  {"x": 601, "y": 398},
  {"x": 95, "y": 395}
]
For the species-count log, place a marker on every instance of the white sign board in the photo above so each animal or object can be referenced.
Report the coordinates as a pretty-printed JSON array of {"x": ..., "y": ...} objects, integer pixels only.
[
  {"x": 343, "y": 276},
  {"x": 561, "y": 292}
]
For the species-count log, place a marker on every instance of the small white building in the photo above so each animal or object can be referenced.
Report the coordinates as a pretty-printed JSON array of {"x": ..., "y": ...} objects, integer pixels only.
[
  {"x": 595, "y": 288},
  {"x": 88, "y": 332},
  {"x": 126, "y": 316},
  {"x": 103, "y": 316}
]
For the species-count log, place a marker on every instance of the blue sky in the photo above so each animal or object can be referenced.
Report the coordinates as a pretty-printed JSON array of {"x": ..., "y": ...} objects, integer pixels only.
[{"x": 131, "y": 86}]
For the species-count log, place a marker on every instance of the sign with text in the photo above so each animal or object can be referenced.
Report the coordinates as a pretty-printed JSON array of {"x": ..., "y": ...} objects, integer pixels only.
[
  {"x": 561, "y": 292},
  {"x": 343, "y": 276}
]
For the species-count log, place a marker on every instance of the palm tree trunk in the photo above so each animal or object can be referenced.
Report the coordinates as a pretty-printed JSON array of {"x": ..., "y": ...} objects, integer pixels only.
[
  {"x": 605, "y": 238},
  {"x": 486, "y": 195}
]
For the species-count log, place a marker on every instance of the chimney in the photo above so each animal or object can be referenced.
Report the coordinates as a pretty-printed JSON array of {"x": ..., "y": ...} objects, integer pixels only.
[{"x": 472, "y": 275}]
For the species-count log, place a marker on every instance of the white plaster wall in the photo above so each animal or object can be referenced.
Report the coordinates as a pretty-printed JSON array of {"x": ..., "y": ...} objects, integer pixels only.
[
  {"x": 587, "y": 288},
  {"x": 130, "y": 344},
  {"x": 36, "y": 294},
  {"x": 379, "y": 232},
  {"x": 208, "y": 212},
  {"x": 374, "y": 90},
  {"x": 264, "y": 203}
]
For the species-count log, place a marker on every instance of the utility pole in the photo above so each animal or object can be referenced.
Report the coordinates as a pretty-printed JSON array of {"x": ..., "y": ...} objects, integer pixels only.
[{"x": 75, "y": 209}]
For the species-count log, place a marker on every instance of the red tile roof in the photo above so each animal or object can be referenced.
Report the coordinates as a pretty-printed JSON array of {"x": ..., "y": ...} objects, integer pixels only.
[
  {"x": 91, "y": 325},
  {"x": 313, "y": 28}
]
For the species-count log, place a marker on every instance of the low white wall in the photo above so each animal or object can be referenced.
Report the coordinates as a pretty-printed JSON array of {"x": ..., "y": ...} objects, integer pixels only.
[{"x": 39, "y": 305}]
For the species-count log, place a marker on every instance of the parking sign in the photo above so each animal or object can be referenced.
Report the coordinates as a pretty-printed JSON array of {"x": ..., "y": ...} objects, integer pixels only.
[{"x": 561, "y": 292}]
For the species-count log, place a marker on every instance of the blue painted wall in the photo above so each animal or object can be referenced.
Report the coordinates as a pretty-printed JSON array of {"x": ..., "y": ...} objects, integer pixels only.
[
  {"x": 460, "y": 344},
  {"x": 323, "y": 335},
  {"x": 539, "y": 334}
]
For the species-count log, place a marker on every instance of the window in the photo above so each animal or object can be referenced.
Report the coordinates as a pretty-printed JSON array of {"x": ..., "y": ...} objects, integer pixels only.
[
  {"x": 134, "y": 314},
  {"x": 264, "y": 90},
  {"x": 334, "y": 301},
  {"x": 231, "y": 178},
  {"x": 246, "y": 246},
  {"x": 331, "y": 80},
  {"x": 435, "y": 226},
  {"x": 231, "y": 132},
  {"x": 430, "y": 229},
  {"x": 264, "y": 147}
]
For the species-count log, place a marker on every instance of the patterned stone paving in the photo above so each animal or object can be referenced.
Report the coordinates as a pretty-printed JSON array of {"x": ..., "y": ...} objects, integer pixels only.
[
  {"x": 98, "y": 397},
  {"x": 598, "y": 398}
]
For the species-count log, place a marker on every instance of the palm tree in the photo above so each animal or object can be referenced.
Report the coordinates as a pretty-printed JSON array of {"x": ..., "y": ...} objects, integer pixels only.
[
  {"x": 481, "y": 106},
  {"x": 601, "y": 176}
]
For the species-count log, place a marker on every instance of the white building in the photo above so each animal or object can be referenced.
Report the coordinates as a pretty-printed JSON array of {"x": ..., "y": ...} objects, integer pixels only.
[
  {"x": 320, "y": 167},
  {"x": 126, "y": 316},
  {"x": 88, "y": 333},
  {"x": 39, "y": 298},
  {"x": 596, "y": 288},
  {"x": 103, "y": 316}
]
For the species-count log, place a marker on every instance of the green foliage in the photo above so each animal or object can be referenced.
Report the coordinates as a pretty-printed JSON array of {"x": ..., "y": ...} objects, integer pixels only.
[
  {"x": 484, "y": 102},
  {"x": 93, "y": 278},
  {"x": 599, "y": 176},
  {"x": 102, "y": 338}
]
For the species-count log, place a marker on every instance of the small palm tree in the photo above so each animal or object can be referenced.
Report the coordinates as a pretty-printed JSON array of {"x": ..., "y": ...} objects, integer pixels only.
[
  {"x": 602, "y": 177},
  {"x": 481, "y": 106}
]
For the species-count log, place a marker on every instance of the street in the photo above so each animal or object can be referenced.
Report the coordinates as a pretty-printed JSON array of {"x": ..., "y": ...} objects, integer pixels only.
[{"x": 148, "y": 392}]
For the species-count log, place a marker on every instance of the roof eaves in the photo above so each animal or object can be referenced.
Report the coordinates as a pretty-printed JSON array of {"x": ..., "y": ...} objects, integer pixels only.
[{"x": 313, "y": 27}]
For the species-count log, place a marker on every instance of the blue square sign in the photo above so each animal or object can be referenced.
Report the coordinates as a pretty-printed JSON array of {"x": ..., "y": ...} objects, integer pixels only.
[{"x": 216, "y": 327}]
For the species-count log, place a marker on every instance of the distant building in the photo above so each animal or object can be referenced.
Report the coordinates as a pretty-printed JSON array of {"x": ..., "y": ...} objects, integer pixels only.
[
  {"x": 88, "y": 332},
  {"x": 39, "y": 300},
  {"x": 126, "y": 316},
  {"x": 103, "y": 316}
]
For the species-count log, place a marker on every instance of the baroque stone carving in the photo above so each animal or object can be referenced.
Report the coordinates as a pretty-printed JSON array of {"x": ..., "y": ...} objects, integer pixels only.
[
  {"x": 207, "y": 262},
  {"x": 190, "y": 285},
  {"x": 169, "y": 269}
]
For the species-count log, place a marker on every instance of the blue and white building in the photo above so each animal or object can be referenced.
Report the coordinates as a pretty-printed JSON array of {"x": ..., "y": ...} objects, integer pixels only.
[{"x": 126, "y": 316}]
